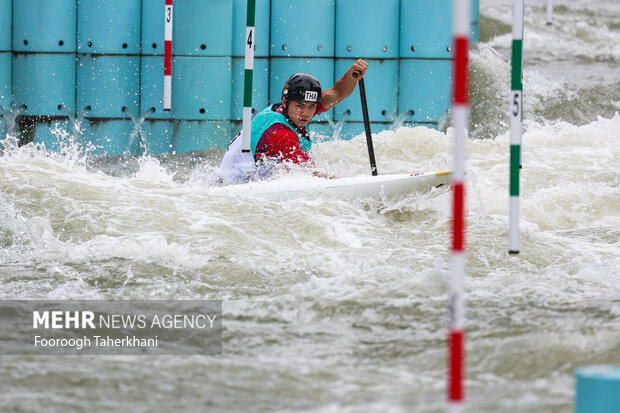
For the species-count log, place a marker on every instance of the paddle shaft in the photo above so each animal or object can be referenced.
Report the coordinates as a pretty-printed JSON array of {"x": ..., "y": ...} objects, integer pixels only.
[{"x": 371, "y": 151}]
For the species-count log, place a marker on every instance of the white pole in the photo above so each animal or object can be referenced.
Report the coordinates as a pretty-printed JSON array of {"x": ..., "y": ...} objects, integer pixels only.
[{"x": 549, "y": 12}]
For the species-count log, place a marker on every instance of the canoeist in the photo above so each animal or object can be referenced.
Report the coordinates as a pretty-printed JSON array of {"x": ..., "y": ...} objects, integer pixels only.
[{"x": 280, "y": 132}]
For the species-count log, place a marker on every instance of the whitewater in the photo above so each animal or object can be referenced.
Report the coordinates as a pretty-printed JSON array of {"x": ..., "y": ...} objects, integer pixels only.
[{"x": 332, "y": 305}]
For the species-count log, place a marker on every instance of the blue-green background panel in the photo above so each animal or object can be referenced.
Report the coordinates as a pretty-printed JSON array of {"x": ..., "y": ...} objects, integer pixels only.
[
  {"x": 157, "y": 135},
  {"x": 110, "y": 136},
  {"x": 363, "y": 32},
  {"x": 152, "y": 87},
  {"x": 5, "y": 78},
  {"x": 425, "y": 88},
  {"x": 109, "y": 26},
  {"x": 303, "y": 28},
  {"x": 44, "y": 26},
  {"x": 107, "y": 84},
  {"x": 475, "y": 11},
  {"x": 475, "y": 33},
  {"x": 260, "y": 86},
  {"x": 475, "y": 21},
  {"x": 202, "y": 28},
  {"x": 381, "y": 82},
  {"x": 424, "y": 25},
  {"x": 597, "y": 389},
  {"x": 6, "y": 25},
  {"x": 200, "y": 135},
  {"x": 152, "y": 37},
  {"x": 201, "y": 87},
  {"x": 263, "y": 8},
  {"x": 283, "y": 68},
  {"x": 45, "y": 83}
]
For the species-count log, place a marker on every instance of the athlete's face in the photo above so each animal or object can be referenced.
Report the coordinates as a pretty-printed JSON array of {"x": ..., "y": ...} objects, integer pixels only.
[{"x": 301, "y": 112}]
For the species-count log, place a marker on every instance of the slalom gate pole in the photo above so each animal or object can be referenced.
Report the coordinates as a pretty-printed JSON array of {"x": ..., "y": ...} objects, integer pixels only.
[
  {"x": 168, "y": 56},
  {"x": 549, "y": 12},
  {"x": 460, "y": 101},
  {"x": 516, "y": 119},
  {"x": 371, "y": 150},
  {"x": 248, "y": 76}
]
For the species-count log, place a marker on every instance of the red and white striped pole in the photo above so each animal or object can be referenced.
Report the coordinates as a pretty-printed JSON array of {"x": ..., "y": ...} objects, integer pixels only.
[
  {"x": 168, "y": 56},
  {"x": 456, "y": 340}
]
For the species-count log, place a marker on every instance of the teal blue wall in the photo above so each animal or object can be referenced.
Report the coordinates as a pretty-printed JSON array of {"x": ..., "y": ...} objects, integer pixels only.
[{"x": 103, "y": 60}]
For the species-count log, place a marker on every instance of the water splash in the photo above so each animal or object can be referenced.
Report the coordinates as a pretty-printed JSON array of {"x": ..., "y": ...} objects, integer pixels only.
[
  {"x": 399, "y": 119},
  {"x": 11, "y": 140},
  {"x": 337, "y": 126},
  {"x": 75, "y": 122},
  {"x": 137, "y": 134}
]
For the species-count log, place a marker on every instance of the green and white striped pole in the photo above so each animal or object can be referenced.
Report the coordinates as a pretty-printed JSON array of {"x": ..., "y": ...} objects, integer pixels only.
[
  {"x": 516, "y": 118},
  {"x": 248, "y": 76}
]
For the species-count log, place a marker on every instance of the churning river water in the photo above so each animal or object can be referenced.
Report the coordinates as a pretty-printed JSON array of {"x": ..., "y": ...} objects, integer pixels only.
[{"x": 342, "y": 306}]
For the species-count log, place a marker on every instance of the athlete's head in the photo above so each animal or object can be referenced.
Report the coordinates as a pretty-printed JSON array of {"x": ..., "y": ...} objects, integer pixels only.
[{"x": 301, "y": 95}]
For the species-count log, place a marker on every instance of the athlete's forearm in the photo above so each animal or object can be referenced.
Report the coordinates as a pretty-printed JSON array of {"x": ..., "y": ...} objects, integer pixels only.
[{"x": 345, "y": 85}]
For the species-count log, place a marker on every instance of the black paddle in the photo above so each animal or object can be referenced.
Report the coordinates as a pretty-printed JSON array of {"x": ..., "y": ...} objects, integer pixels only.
[{"x": 371, "y": 151}]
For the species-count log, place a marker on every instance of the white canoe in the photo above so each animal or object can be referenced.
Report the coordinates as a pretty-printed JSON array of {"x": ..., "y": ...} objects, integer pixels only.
[{"x": 358, "y": 187}]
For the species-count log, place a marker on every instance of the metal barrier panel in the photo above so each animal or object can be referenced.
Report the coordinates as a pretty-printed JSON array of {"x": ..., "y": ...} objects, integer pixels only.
[
  {"x": 364, "y": 29},
  {"x": 381, "y": 81},
  {"x": 108, "y": 27},
  {"x": 109, "y": 85},
  {"x": 303, "y": 28},
  {"x": 44, "y": 26},
  {"x": 45, "y": 83},
  {"x": 425, "y": 29},
  {"x": 260, "y": 86},
  {"x": 202, "y": 28},
  {"x": 261, "y": 45},
  {"x": 425, "y": 89},
  {"x": 282, "y": 68},
  {"x": 6, "y": 25}
]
